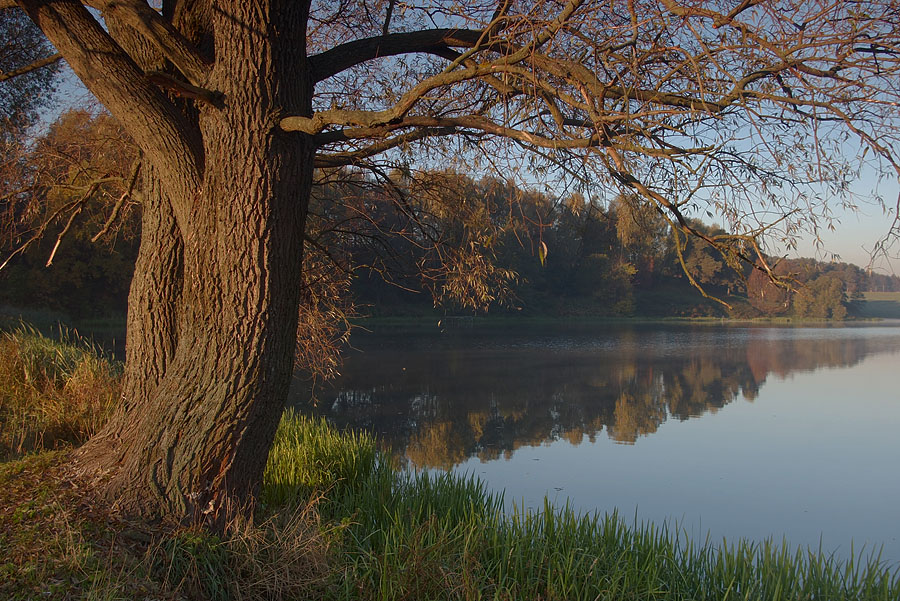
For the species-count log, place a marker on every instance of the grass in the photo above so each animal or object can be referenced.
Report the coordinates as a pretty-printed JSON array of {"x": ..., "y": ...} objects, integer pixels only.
[
  {"x": 58, "y": 545},
  {"x": 336, "y": 520},
  {"x": 440, "y": 536},
  {"x": 883, "y": 305},
  {"x": 53, "y": 547},
  {"x": 283, "y": 556},
  {"x": 53, "y": 393}
]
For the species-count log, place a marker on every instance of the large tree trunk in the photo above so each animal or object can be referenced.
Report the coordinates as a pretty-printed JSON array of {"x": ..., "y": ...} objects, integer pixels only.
[{"x": 213, "y": 305}]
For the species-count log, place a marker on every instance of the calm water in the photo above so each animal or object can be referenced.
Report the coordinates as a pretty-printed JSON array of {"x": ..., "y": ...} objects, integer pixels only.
[{"x": 749, "y": 432}]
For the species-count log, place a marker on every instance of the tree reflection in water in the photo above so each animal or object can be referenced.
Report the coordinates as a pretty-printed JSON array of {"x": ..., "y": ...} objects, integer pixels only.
[{"x": 439, "y": 399}]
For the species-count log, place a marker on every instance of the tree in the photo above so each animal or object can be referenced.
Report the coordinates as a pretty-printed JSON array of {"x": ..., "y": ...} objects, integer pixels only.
[
  {"x": 767, "y": 296},
  {"x": 642, "y": 231},
  {"x": 60, "y": 227},
  {"x": 28, "y": 67},
  {"x": 233, "y": 104},
  {"x": 822, "y": 297}
]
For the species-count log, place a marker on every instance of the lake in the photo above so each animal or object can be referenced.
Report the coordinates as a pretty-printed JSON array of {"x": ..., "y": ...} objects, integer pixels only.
[{"x": 789, "y": 433}]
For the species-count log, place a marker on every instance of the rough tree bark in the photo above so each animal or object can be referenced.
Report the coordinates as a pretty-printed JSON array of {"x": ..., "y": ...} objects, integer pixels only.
[{"x": 214, "y": 301}]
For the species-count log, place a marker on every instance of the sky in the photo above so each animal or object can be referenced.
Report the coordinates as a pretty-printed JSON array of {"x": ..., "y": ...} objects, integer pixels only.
[
  {"x": 857, "y": 232},
  {"x": 854, "y": 239}
]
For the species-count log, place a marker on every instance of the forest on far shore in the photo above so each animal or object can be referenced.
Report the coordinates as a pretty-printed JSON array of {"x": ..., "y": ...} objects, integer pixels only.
[{"x": 407, "y": 244}]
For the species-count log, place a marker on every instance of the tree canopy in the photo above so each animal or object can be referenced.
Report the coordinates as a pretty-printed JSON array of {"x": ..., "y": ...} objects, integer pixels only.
[
  {"x": 474, "y": 244},
  {"x": 28, "y": 67}
]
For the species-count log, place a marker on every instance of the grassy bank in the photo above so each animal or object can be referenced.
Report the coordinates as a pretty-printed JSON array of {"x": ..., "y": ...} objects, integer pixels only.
[
  {"x": 337, "y": 521},
  {"x": 53, "y": 392},
  {"x": 428, "y": 536},
  {"x": 881, "y": 305}
]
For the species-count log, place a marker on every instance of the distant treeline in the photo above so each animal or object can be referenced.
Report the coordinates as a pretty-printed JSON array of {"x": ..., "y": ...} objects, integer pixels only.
[
  {"x": 403, "y": 243},
  {"x": 574, "y": 256}
]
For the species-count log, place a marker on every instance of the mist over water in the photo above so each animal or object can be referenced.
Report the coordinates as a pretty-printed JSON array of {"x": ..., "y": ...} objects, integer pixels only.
[{"x": 732, "y": 432}]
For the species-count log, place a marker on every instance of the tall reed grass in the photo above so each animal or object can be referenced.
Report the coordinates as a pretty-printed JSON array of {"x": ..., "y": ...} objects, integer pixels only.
[
  {"x": 52, "y": 392},
  {"x": 439, "y": 536}
]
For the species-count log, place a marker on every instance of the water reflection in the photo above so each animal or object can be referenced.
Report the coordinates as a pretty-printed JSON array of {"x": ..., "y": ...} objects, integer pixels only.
[{"x": 440, "y": 399}]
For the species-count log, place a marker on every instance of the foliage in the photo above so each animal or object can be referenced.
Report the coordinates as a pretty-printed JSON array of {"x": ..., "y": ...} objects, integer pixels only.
[
  {"x": 822, "y": 297},
  {"x": 70, "y": 240},
  {"x": 766, "y": 296},
  {"x": 323, "y": 324},
  {"x": 436, "y": 236},
  {"x": 468, "y": 243},
  {"x": 21, "y": 45}
]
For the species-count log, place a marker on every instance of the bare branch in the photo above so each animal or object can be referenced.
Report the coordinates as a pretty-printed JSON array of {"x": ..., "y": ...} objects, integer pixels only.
[
  {"x": 186, "y": 90},
  {"x": 339, "y": 159},
  {"x": 32, "y": 67},
  {"x": 435, "y": 41},
  {"x": 114, "y": 213},
  {"x": 387, "y": 18},
  {"x": 74, "y": 206},
  {"x": 78, "y": 208}
]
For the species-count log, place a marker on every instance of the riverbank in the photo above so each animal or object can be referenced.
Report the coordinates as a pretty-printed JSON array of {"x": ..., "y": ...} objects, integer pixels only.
[
  {"x": 449, "y": 323},
  {"x": 109, "y": 332},
  {"x": 337, "y": 521}
]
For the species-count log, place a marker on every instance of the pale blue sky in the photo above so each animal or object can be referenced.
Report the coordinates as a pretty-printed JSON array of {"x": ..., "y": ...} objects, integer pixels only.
[
  {"x": 854, "y": 239},
  {"x": 857, "y": 233}
]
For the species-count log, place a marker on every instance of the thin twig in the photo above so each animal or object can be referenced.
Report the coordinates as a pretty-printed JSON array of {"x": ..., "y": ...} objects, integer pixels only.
[
  {"x": 75, "y": 206},
  {"x": 79, "y": 206},
  {"x": 114, "y": 214}
]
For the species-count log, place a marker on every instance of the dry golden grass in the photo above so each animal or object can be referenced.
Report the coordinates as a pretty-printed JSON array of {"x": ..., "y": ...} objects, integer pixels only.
[
  {"x": 53, "y": 393},
  {"x": 59, "y": 543}
]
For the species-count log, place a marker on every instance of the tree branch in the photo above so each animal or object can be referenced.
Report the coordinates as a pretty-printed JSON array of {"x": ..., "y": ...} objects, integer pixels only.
[
  {"x": 159, "y": 32},
  {"x": 75, "y": 206},
  {"x": 32, "y": 67},
  {"x": 170, "y": 142},
  {"x": 340, "y": 159},
  {"x": 114, "y": 213},
  {"x": 387, "y": 18},
  {"x": 186, "y": 90},
  {"x": 470, "y": 122},
  {"x": 435, "y": 41}
]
